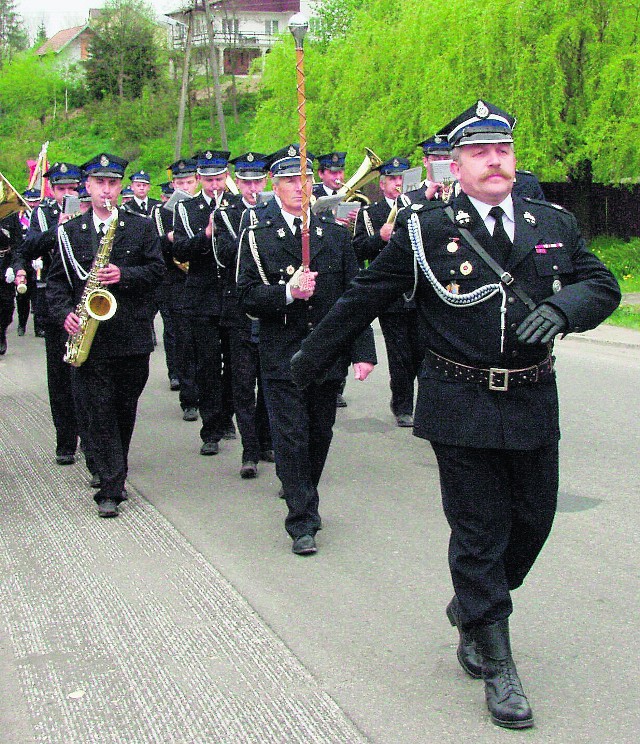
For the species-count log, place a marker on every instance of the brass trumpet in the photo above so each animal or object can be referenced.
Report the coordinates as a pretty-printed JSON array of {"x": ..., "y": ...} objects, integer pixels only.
[{"x": 11, "y": 201}]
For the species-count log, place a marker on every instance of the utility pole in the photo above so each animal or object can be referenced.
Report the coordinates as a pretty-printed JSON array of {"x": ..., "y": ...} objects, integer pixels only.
[
  {"x": 177, "y": 151},
  {"x": 216, "y": 75}
]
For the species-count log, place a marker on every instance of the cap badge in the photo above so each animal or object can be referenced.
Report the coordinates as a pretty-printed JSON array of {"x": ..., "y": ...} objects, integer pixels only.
[
  {"x": 466, "y": 268},
  {"x": 250, "y": 157},
  {"x": 142, "y": 173},
  {"x": 104, "y": 161},
  {"x": 481, "y": 110},
  {"x": 181, "y": 165},
  {"x": 462, "y": 218},
  {"x": 396, "y": 162},
  {"x": 290, "y": 270},
  {"x": 63, "y": 168},
  {"x": 529, "y": 218},
  {"x": 291, "y": 151},
  {"x": 208, "y": 155},
  {"x": 438, "y": 140},
  {"x": 280, "y": 232},
  {"x": 335, "y": 158}
]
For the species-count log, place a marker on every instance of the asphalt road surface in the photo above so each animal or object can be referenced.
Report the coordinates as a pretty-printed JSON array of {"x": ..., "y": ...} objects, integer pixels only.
[{"x": 188, "y": 619}]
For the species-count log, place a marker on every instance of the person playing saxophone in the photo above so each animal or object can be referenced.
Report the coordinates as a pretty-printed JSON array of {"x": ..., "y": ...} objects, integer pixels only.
[{"x": 115, "y": 372}]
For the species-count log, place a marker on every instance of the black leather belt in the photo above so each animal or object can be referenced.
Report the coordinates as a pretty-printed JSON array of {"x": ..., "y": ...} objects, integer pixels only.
[{"x": 495, "y": 378}]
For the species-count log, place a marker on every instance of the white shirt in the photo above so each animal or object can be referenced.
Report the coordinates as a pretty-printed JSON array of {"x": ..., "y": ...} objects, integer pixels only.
[
  {"x": 97, "y": 221},
  {"x": 508, "y": 218}
]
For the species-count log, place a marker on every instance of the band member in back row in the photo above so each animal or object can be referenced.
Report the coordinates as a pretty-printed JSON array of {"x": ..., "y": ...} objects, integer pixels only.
[
  {"x": 243, "y": 332},
  {"x": 193, "y": 241},
  {"x": 398, "y": 321},
  {"x": 113, "y": 377},
  {"x": 141, "y": 203},
  {"x": 269, "y": 288},
  {"x": 498, "y": 278}
]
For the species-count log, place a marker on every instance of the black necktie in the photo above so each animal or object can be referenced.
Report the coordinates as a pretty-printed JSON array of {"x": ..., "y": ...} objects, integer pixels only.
[
  {"x": 101, "y": 228},
  {"x": 143, "y": 206},
  {"x": 297, "y": 225},
  {"x": 500, "y": 238}
]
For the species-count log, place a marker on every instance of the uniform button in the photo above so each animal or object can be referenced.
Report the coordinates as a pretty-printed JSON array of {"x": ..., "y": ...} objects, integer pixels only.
[
  {"x": 309, "y": 325},
  {"x": 452, "y": 272},
  {"x": 513, "y": 326},
  {"x": 511, "y": 300},
  {"x": 514, "y": 353},
  {"x": 555, "y": 268}
]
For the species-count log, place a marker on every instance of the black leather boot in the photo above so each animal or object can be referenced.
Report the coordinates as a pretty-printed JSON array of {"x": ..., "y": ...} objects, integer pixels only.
[
  {"x": 468, "y": 656},
  {"x": 506, "y": 700}
]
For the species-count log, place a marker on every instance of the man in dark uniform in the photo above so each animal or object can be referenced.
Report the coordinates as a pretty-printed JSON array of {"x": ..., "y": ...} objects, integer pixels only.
[
  {"x": 270, "y": 289},
  {"x": 487, "y": 397},
  {"x": 248, "y": 399},
  {"x": 398, "y": 321},
  {"x": 330, "y": 173},
  {"x": 193, "y": 241},
  {"x": 113, "y": 377},
  {"x": 41, "y": 244},
  {"x": 141, "y": 202},
  {"x": 434, "y": 149},
  {"x": 10, "y": 239}
]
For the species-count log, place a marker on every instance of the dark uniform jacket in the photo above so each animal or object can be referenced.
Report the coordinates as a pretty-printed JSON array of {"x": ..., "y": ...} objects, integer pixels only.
[
  {"x": 227, "y": 222},
  {"x": 551, "y": 264},
  {"x": 133, "y": 207},
  {"x": 136, "y": 251},
  {"x": 367, "y": 247},
  {"x": 175, "y": 276},
  {"x": 203, "y": 288},
  {"x": 283, "y": 327},
  {"x": 41, "y": 241},
  {"x": 10, "y": 240}
]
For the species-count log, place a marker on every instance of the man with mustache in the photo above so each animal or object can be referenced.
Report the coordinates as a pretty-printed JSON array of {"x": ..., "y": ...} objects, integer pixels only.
[{"x": 495, "y": 279}]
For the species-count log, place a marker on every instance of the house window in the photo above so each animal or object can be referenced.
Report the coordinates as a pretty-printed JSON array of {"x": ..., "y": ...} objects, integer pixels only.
[{"x": 271, "y": 27}]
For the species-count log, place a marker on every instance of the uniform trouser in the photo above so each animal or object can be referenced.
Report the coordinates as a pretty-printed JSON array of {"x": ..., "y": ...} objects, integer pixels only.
[
  {"x": 251, "y": 412},
  {"x": 206, "y": 336},
  {"x": 500, "y": 506},
  {"x": 302, "y": 429},
  {"x": 227, "y": 379},
  {"x": 111, "y": 389},
  {"x": 185, "y": 358},
  {"x": 39, "y": 307},
  {"x": 60, "y": 381},
  {"x": 23, "y": 305},
  {"x": 168, "y": 331},
  {"x": 404, "y": 354},
  {"x": 6, "y": 306}
]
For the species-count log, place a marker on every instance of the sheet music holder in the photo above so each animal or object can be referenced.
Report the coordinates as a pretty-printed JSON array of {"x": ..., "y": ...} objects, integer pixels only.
[
  {"x": 177, "y": 196},
  {"x": 324, "y": 203},
  {"x": 411, "y": 179}
]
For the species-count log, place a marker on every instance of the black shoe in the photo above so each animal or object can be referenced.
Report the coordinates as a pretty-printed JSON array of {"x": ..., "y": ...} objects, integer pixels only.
[
  {"x": 96, "y": 481},
  {"x": 124, "y": 495},
  {"x": 340, "y": 401},
  {"x": 21, "y": 330},
  {"x": 281, "y": 492},
  {"x": 174, "y": 383},
  {"x": 304, "y": 545},
  {"x": 268, "y": 456},
  {"x": 65, "y": 459},
  {"x": 404, "y": 420},
  {"x": 249, "y": 469},
  {"x": 190, "y": 414},
  {"x": 107, "y": 508},
  {"x": 468, "y": 656},
  {"x": 3, "y": 344},
  {"x": 209, "y": 448},
  {"x": 506, "y": 700},
  {"x": 229, "y": 432}
]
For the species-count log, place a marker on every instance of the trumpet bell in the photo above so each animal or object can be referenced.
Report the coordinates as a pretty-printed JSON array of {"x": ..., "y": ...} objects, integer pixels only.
[{"x": 11, "y": 200}]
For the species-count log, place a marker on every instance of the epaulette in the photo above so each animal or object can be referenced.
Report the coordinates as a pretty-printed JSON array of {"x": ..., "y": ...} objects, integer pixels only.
[
  {"x": 260, "y": 225},
  {"x": 432, "y": 204},
  {"x": 542, "y": 203}
]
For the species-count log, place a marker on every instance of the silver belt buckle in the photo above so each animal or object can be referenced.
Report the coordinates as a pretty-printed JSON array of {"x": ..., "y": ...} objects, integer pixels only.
[{"x": 503, "y": 386}]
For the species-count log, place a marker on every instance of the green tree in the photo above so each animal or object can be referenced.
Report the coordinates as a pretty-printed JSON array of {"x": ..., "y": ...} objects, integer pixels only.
[
  {"x": 41, "y": 35},
  {"x": 125, "y": 54},
  {"x": 13, "y": 35}
]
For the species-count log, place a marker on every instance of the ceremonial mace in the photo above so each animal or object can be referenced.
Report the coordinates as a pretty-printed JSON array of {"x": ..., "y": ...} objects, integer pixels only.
[{"x": 298, "y": 26}]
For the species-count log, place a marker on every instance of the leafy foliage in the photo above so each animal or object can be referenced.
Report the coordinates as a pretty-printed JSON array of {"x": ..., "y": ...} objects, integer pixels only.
[
  {"x": 394, "y": 72},
  {"x": 13, "y": 35},
  {"x": 124, "y": 53}
]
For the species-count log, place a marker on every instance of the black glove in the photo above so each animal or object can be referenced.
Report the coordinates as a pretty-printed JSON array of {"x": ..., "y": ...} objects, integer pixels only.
[
  {"x": 303, "y": 372},
  {"x": 541, "y": 325}
]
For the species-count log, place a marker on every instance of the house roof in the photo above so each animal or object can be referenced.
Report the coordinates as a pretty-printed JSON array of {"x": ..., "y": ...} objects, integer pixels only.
[{"x": 60, "y": 40}]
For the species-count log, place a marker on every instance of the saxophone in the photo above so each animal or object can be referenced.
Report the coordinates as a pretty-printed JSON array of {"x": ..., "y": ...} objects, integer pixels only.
[{"x": 96, "y": 304}]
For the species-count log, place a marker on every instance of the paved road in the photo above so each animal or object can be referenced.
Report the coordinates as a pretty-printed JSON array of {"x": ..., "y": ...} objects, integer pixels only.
[{"x": 189, "y": 620}]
